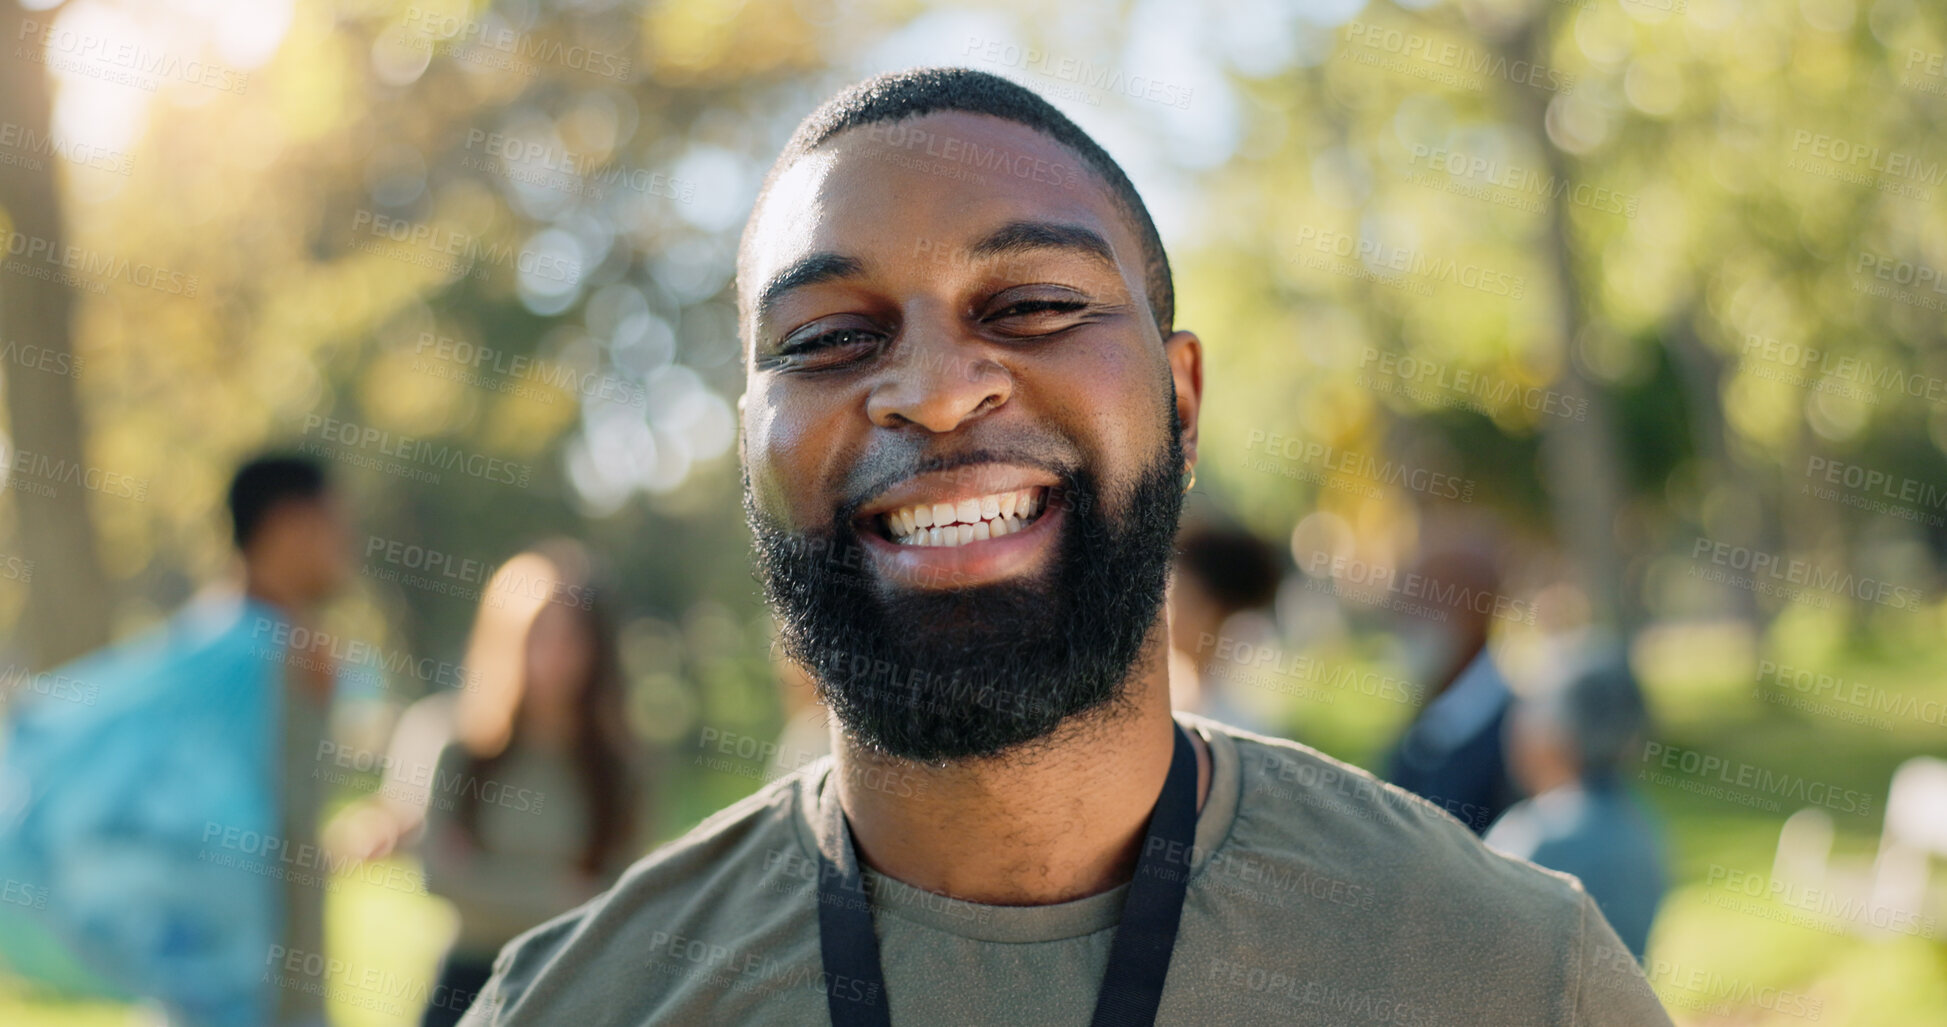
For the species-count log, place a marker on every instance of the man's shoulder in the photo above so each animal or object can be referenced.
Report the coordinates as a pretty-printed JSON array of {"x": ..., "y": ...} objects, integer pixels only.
[
  {"x": 712, "y": 898},
  {"x": 1347, "y": 821}
]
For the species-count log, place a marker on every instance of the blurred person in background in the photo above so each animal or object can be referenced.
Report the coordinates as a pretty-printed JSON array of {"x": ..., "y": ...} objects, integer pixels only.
[
  {"x": 1566, "y": 744},
  {"x": 523, "y": 790},
  {"x": 1453, "y": 753},
  {"x": 169, "y": 819},
  {"x": 1220, "y": 572}
]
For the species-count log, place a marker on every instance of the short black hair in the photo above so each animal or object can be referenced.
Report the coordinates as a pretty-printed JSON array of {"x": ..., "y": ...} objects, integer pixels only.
[
  {"x": 1239, "y": 570},
  {"x": 899, "y": 95},
  {"x": 266, "y": 481}
]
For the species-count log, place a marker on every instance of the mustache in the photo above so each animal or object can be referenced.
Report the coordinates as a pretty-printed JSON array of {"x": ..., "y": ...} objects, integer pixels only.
[{"x": 888, "y": 465}]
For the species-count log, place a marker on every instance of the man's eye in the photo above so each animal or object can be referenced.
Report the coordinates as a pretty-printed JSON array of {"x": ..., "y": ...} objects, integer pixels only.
[
  {"x": 828, "y": 347},
  {"x": 1025, "y": 307},
  {"x": 1035, "y": 318}
]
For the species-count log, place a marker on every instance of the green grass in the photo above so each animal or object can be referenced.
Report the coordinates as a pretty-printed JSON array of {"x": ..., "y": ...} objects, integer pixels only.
[{"x": 1747, "y": 964}]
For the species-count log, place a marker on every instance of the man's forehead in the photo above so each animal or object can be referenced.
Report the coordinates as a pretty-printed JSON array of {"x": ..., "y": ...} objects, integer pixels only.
[{"x": 929, "y": 183}]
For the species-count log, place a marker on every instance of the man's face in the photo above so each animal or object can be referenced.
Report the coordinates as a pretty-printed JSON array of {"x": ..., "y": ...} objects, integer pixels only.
[
  {"x": 933, "y": 342},
  {"x": 311, "y": 545}
]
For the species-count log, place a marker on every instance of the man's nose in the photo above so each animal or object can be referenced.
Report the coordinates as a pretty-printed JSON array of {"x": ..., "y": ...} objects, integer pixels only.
[{"x": 938, "y": 383}]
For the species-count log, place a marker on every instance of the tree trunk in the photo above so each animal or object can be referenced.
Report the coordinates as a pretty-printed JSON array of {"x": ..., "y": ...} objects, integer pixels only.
[
  {"x": 1580, "y": 459},
  {"x": 67, "y": 600}
]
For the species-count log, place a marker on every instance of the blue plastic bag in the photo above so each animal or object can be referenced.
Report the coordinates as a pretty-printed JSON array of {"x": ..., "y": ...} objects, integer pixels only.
[{"x": 139, "y": 818}]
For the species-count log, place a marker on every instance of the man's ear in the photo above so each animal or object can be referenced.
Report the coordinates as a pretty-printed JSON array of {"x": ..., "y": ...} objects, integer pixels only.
[{"x": 1184, "y": 351}]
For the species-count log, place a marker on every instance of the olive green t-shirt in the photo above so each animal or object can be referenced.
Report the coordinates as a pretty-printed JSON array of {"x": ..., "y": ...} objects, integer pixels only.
[{"x": 1318, "y": 895}]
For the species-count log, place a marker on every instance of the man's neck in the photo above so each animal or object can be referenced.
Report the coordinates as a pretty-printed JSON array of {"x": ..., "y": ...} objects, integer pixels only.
[
  {"x": 266, "y": 590},
  {"x": 1062, "y": 823}
]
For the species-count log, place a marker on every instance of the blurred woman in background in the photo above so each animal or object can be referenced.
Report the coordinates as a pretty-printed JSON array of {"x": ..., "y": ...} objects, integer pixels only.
[{"x": 523, "y": 787}]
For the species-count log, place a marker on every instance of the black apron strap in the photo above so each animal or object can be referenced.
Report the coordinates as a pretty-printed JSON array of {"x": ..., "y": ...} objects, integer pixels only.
[
  {"x": 855, "y": 987},
  {"x": 1139, "y": 957}
]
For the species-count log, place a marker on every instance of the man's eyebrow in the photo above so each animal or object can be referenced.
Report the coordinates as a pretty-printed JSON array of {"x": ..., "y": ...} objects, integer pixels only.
[
  {"x": 812, "y": 270},
  {"x": 1022, "y": 236}
]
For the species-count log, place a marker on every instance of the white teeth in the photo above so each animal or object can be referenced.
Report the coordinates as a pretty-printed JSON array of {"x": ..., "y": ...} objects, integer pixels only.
[{"x": 966, "y": 520}]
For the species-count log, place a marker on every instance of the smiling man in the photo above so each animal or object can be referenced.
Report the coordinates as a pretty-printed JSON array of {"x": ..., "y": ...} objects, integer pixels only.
[{"x": 968, "y": 428}]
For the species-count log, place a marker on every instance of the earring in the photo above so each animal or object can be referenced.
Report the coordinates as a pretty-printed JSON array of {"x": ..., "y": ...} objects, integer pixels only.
[{"x": 1190, "y": 479}]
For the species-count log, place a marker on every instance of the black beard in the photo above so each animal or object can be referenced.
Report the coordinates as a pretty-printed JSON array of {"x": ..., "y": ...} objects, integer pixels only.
[{"x": 947, "y": 674}]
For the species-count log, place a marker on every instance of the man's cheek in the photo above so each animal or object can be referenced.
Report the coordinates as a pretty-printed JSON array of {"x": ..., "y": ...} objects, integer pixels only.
[{"x": 785, "y": 462}]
